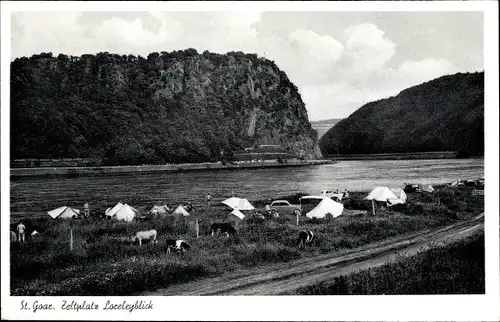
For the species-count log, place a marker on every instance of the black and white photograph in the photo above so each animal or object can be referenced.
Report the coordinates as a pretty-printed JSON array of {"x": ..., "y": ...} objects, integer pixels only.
[{"x": 162, "y": 152}]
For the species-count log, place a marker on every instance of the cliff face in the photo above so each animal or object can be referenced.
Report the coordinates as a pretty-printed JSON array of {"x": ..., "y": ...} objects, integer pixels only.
[
  {"x": 168, "y": 107},
  {"x": 445, "y": 114}
]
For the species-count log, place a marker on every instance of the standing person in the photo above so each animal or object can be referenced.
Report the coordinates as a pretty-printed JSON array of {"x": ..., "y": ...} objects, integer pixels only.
[
  {"x": 21, "y": 232},
  {"x": 209, "y": 199},
  {"x": 86, "y": 210}
]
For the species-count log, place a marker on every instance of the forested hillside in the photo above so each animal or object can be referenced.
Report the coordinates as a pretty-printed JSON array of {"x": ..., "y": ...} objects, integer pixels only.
[
  {"x": 445, "y": 114},
  {"x": 169, "y": 107}
]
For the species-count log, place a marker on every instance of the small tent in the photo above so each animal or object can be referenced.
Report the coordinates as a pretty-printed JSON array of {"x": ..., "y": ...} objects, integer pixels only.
[
  {"x": 427, "y": 188},
  {"x": 382, "y": 194},
  {"x": 400, "y": 194},
  {"x": 64, "y": 212},
  {"x": 238, "y": 203},
  {"x": 122, "y": 212},
  {"x": 181, "y": 211},
  {"x": 325, "y": 207},
  {"x": 159, "y": 210},
  {"x": 238, "y": 214}
]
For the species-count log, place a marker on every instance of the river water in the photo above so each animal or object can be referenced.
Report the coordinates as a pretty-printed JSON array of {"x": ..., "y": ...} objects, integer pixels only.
[{"x": 30, "y": 195}]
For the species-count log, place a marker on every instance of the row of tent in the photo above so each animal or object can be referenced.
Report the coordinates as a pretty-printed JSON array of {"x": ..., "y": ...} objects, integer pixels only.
[{"x": 122, "y": 212}]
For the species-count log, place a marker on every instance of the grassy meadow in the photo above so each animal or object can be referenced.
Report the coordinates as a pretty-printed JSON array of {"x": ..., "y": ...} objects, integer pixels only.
[
  {"x": 457, "y": 268},
  {"x": 101, "y": 263}
]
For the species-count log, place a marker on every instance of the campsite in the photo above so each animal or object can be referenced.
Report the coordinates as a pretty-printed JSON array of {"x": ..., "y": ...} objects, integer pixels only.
[{"x": 94, "y": 256}]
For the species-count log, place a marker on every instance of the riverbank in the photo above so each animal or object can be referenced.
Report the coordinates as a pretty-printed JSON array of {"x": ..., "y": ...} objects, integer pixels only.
[
  {"x": 395, "y": 156},
  {"x": 100, "y": 263},
  {"x": 81, "y": 171}
]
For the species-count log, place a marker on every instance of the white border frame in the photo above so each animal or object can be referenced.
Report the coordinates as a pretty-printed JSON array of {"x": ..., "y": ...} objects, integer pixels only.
[{"x": 296, "y": 308}]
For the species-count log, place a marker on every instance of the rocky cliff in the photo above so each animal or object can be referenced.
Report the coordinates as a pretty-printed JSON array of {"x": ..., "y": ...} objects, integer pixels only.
[
  {"x": 445, "y": 114},
  {"x": 169, "y": 107}
]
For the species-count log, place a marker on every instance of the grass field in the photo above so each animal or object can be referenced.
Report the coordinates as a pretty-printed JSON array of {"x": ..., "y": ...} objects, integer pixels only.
[
  {"x": 457, "y": 268},
  {"x": 102, "y": 264}
]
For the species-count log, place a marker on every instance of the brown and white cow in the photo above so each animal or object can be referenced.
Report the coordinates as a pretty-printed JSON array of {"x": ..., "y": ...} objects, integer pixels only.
[{"x": 177, "y": 245}]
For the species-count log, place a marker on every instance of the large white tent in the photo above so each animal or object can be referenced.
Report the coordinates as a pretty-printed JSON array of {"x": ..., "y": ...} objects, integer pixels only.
[
  {"x": 325, "y": 207},
  {"x": 238, "y": 203},
  {"x": 64, "y": 212},
  {"x": 122, "y": 212}
]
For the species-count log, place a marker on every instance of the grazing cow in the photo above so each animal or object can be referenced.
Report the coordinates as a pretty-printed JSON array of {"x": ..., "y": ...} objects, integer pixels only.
[
  {"x": 224, "y": 228},
  {"x": 13, "y": 237},
  {"x": 33, "y": 234},
  {"x": 305, "y": 237},
  {"x": 177, "y": 245},
  {"x": 145, "y": 235}
]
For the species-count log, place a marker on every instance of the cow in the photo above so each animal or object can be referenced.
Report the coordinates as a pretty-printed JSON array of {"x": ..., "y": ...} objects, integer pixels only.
[
  {"x": 224, "y": 228},
  {"x": 177, "y": 245},
  {"x": 146, "y": 235},
  {"x": 305, "y": 237}
]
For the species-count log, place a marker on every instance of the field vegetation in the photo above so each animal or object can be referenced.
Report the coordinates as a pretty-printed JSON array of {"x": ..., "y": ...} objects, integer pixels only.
[
  {"x": 104, "y": 263},
  {"x": 457, "y": 268}
]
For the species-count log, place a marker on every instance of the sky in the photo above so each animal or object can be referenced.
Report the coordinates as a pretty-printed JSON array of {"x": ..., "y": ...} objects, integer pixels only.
[{"x": 338, "y": 60}]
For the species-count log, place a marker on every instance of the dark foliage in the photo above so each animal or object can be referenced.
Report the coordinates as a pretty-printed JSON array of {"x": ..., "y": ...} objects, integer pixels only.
[
  {"x": 445, "y": 114},
  {"x": 167, "y": 108}
]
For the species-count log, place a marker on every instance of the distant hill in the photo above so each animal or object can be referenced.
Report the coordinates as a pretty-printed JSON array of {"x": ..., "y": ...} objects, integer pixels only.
[
  {"x": 321, "y": 127},
  {"x": 445, "y": 114},
  {"x": 169, "y": 107}
]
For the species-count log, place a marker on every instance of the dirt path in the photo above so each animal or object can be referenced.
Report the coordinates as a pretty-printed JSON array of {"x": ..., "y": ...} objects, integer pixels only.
[{"x": 278, "y": 278}]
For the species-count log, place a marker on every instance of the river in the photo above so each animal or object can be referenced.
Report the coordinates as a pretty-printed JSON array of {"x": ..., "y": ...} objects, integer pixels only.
[{"x": 36, "y": 195}]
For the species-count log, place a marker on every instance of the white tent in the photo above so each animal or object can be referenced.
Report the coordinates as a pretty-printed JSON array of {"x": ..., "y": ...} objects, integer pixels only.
[
  {"x": 400, "y": 194},
  {"x": 122, "y": 212},
  {"x": 381, "y": 194},
  {"x": 180, "y": 211},
  {"x": 325, "y": 207},
  {"x": 238, "y": 203},
  {"x": 427, "y": 188},
  {"x": 237, "y": 213},
  {"x": 159, "y": 210},
  {"x": 64, "y": 212}
]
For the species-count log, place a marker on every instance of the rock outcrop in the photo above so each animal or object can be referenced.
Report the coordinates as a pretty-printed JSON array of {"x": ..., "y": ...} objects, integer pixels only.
[{"x": 169, "y": 107}]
